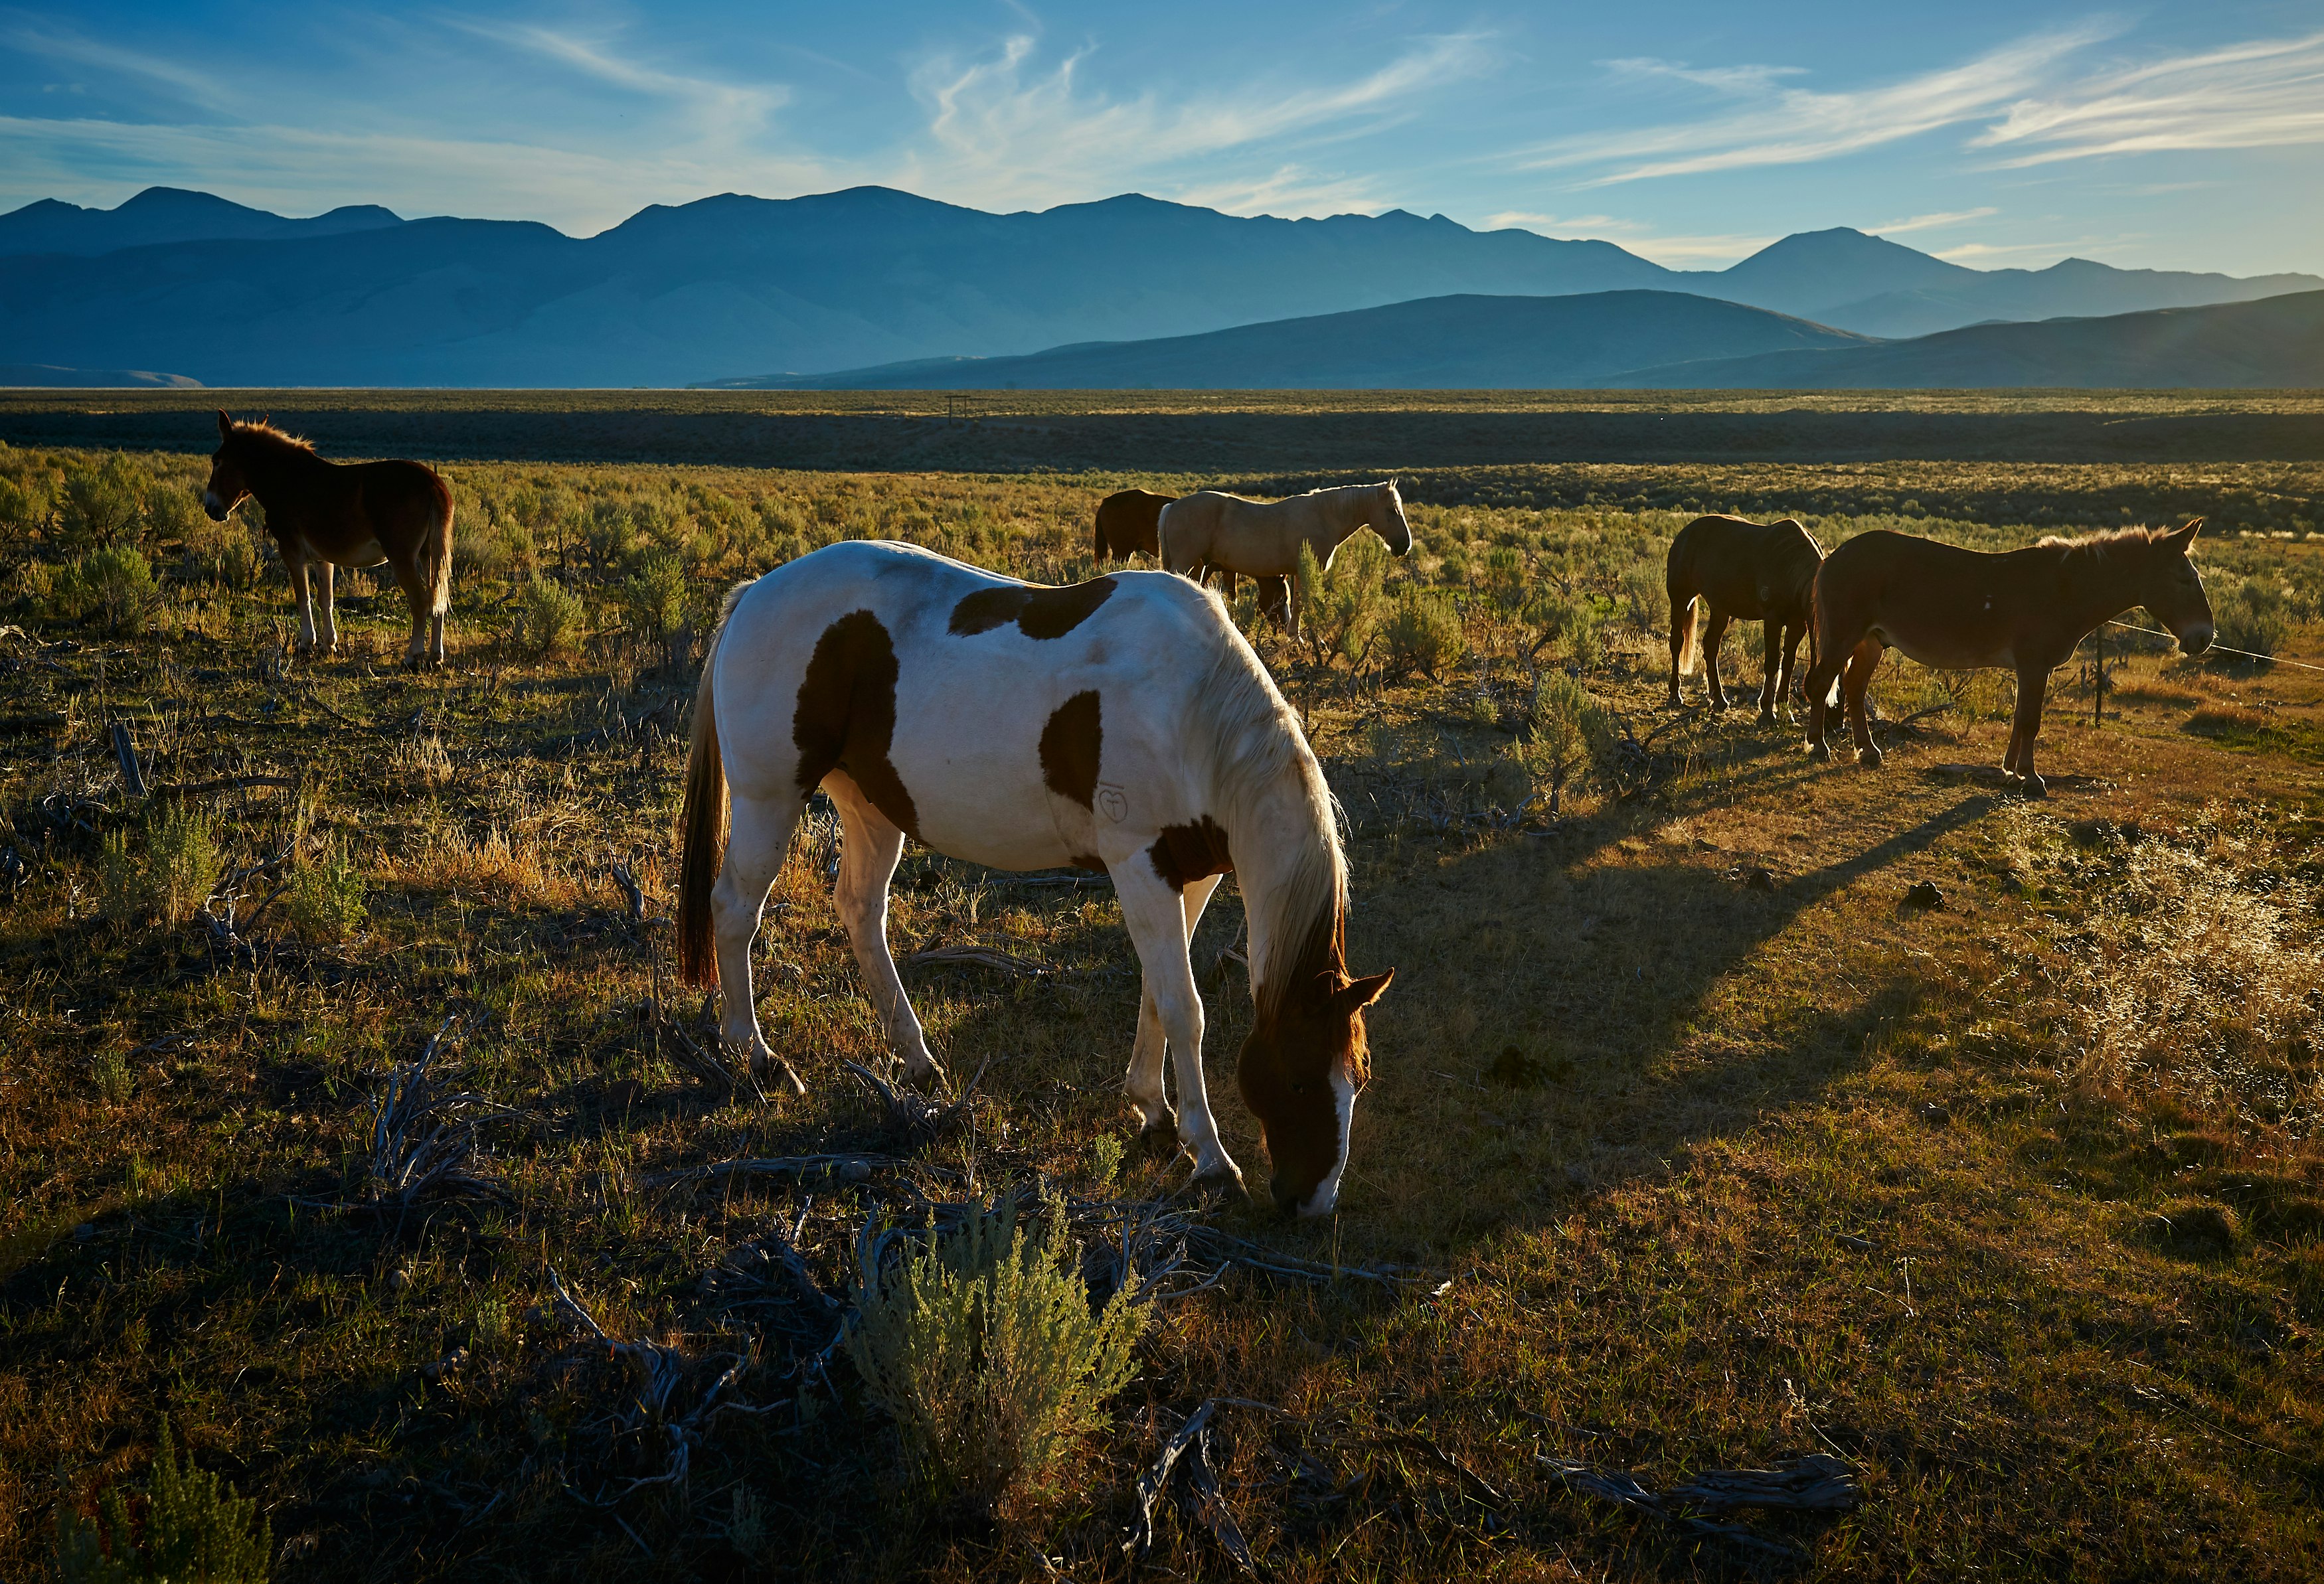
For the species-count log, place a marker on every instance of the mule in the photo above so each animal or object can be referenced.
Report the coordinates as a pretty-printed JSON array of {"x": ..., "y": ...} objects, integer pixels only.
[
  {"x": 1762, "y": 572},
  {"x": 1262, "y": 539},
  {"x": 327, "y": 515},
  {"x": 1122, "y": 725},
  {"x": 1960, "y": 610}
]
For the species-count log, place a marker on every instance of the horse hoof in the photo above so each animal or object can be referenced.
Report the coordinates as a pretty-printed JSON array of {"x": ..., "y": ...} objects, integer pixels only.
[
  {"x": 1870, "y": 757},
  {"x": 1821, "y": 752},
  {"x": 2033, "y": 785},
  {"x": 1158, "y": 1140},
  {"x": 1220, "y": 1182},
  {"x": 1767, "y": 719}
]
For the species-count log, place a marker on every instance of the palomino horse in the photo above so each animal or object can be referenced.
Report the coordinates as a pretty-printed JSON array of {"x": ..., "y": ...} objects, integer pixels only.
[
  {"x": 1743, "y": 571},
  {"x": 326, "y": 515},
  {"x": 1120, "y": 724},
  {"x": 1960, "y": 610},
  {"x": 1262, "y": 539},
  {"x": 1127, "y": 524}
]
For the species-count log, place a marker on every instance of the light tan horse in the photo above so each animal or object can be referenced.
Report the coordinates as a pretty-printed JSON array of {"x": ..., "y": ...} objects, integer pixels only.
[
  {"x": 1958, "y": 610},
  {"x": 326, "y": 515},
  {"x": 1262, "y": 539}
]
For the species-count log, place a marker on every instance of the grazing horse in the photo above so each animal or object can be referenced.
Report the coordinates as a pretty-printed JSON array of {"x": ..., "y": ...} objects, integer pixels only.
[
  {"x": 1964, "y": 609},
  {"x": 1743, "y": 571},
  {"x": 327, "y": 515},
  {"x": 1262, "y": 539},
  {"x": 1121, "y": 725}
]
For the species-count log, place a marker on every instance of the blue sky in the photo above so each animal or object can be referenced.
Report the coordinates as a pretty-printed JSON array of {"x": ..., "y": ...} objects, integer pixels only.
[{"x": 2183, "y": 136}]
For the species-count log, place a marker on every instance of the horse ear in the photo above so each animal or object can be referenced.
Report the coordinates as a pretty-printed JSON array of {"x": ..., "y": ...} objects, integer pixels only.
[
  {"x": 1360, "y": 993},
  {"x": 2181, "y": 539},
  {"x": 225, "y": 424}
]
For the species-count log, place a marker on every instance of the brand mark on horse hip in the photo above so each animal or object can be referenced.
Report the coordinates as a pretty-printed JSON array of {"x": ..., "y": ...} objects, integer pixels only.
[{"x": 1113, "y": 802}]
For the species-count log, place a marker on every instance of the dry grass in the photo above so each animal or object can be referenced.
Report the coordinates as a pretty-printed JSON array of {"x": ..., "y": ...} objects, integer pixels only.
[{"x": 2012, "y": 1203}]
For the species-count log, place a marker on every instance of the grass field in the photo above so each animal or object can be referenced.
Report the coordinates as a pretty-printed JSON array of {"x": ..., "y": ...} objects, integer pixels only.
[{"x": 1705, "y": 1148}]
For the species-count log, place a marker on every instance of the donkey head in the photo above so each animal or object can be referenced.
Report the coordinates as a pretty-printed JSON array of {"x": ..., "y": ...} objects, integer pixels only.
[
  {"x": 2172, "y": 591},
  {"x": 228, "y": 487},
  {"x": 1387, "y": 520},
  {"x": 1302, "y": 1065}
]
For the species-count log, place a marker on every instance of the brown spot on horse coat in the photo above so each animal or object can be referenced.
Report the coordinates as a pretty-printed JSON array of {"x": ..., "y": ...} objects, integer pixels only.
[
  {"x": 846, "y": 715},
  {"x": 1086, "y": 861},
  {"x": 1182, "y": 854},
  {"x": 1070, "y": 745},
  {"x": 1038, "y": 613}
]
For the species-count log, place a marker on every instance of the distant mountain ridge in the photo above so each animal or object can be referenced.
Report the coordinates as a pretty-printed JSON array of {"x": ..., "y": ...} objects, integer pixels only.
[
  {"x": 866, "y": 277},
  {"x": 1467, "y": 342}
]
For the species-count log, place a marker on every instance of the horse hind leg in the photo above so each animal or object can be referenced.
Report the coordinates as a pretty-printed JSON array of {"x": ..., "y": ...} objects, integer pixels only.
[
  {"x": 761, "y": 834},
  {"x": 1714, "y": 632},
  {"x": 305, "y": 597},
  {"x": 1854, "y": 681},
  {"x": 1771, "y": 643},
  {"x": 330, "y": 635},
  {"x": 869, "y": 849},
  {"x": 2024, "y": 727}
]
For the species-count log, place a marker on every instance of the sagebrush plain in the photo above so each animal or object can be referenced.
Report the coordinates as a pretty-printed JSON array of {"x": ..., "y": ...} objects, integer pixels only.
[{"x": 1702, "y": 1146}]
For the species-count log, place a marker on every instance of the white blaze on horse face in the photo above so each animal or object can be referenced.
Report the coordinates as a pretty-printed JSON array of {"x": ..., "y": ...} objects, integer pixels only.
[{"x": 1327, "y": 1191}]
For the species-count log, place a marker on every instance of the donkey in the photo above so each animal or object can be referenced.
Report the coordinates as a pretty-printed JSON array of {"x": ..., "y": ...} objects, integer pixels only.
[
  {"x": 1122, "y": 725},
  {"x": 1262, "y": 539},
  {"x": 1964, "y": 609},
  {"x": 325, "y": 515},
  {"x": 1746, "y": 571}
]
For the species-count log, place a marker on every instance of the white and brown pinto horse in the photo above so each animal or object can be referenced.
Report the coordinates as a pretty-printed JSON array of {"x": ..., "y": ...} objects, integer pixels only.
[
  {"x": 1262, "y": 539},
  {"x": 1120, "y": 724},
  {"x": 1958, "y": 610},
  {"x": 326, "y": 515}
]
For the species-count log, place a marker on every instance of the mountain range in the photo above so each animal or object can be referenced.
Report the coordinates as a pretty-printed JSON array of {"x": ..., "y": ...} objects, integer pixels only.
[{"x": 728, "y": 285}]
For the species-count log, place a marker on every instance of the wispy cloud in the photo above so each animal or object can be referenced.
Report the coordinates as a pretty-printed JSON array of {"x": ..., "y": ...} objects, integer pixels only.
[
  {"x": 1727, "y": 79},
  {"x": 725, "y": 115},
  {"x": 1007, "y": 128},
  {"x": 1672, "y": 252},
  {"x": 1938, "y": 221},
  {"x": 1797, "y": 125},
  {"x": 2257, "y": 95},
  {"x": 208, "y": 90}
]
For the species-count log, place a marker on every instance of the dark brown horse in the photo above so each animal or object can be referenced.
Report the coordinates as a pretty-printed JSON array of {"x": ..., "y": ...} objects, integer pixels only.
[
  {"x": 326, "y": 514},
  {"x": 1743, "y": 571},
  {"x": 1127, "y": 523},
  {"x": 1960, "y": 610}
]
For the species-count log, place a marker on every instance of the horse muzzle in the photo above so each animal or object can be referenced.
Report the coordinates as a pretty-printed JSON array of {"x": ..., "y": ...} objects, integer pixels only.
[
  {"x": 2196, "y": 639},
  {"x": 215, "y": 510}
]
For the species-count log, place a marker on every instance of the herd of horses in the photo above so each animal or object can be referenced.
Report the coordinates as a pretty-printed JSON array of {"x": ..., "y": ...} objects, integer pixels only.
[{"x": 1125, "y": 726}]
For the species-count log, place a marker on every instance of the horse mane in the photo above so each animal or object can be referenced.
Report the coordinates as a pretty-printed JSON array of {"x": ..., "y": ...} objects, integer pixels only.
[
  {"x": 2098, "y": 544},
  {"x": 1252, "y": 740},
  {"x": 264, "y": 431}
]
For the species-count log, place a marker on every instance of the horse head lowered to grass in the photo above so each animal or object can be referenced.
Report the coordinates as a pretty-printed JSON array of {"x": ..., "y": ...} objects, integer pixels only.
[
  {"x": 1121, "y": 725},
  {"x": 1960, "y": 610}
]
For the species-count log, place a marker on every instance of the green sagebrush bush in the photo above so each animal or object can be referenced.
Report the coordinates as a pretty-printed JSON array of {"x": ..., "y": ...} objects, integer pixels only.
[
  {"x": 1340, "y": 608},
  {"x": 324, "y": 902},
  {"x": 196, "y": 1530},
  {"x": 1422, "y": 633},
  {"x": 115, "y": 584},
  {"x": 1570, "y": 732},
  {"x": 174, "y": 875},
  {"x": 983, "y": 1348},
  {"x": 103, "y": 503},
  {"x": 2254, "y": 616},
  {"x": 550, "y": 618},
  {"x": 654, "y": 596}
]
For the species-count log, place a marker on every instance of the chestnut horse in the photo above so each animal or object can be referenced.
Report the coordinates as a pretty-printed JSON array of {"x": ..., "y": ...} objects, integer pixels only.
[
  {"x": 1262, "y": 539},
  {"x": 1743, "y": 571},
  {"x": 1120, "y": 724},
  {"x": 327, "y": 515},
  {"x": 1960, "y": 610},
  {"x": 1128, "y": 523}
]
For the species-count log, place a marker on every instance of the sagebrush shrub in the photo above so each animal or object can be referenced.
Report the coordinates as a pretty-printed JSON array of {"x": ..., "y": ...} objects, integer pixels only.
[
  {"x": 1570, "y": 728},
  {"x": 550, "y": 618},
  {"x": 2254, "y": 617},
  {"x": 326, "y": 899},
  {"x": 1422, "y": 633},
  {"x": 173, "y": 876},
  {"x": 984, "y": 1350},
  {"x": 198, "y": 1530}
]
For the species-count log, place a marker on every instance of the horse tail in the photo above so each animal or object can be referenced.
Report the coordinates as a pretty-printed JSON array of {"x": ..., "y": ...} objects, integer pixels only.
[
  {"x": 700, "y": 827},
  {"x": 1690, "y": 654},
  {"x": 435, "y": 551}
]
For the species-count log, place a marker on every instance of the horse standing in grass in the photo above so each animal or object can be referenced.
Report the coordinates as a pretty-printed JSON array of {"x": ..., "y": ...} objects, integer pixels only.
[
  {"x": 325, "y": 515},
  {"x": 1126, "y": 523},
  {"x": 1262, "y": 539},
  {"x": 1121, "y": 725},
  {"x": 1745, "y": 571},
  {"x": 1960, "y": 610}
]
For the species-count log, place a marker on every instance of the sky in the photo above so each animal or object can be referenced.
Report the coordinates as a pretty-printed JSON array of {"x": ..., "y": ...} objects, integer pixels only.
[{"x": 2183, "y": 136}]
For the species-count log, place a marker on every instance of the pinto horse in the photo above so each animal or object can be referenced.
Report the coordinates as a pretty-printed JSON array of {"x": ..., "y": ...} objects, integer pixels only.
[
  {"x": 1121, "y": 725},
  {"x": 1966, "y": 609},
  {"x": 330, "y": 514},
  {"x": 1262, "y": 539},
  {"x": 1760, "y": 572}
]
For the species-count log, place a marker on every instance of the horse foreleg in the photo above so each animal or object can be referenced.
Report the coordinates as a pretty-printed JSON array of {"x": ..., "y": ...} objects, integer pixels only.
[
  {"x": 1681, "y": 620},
  {"x": 1143, "y": 1081},
  {"x": 761, "y": 836},
  {"x": 298, "y": 571},
  {"x": 330, "y": 634},
  {"x": 1861, "y": 664},
  {"x": 1793, "y": 633},
  {"x": 2032, "y": 686},
  {"x": 868, "y": 848},
  {"x": 1275, "y": 602},
  {"x": 1714, "y": 631},
  {"x": 1771, "y": 643},
  {"x": 1157, "y": 916}
]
